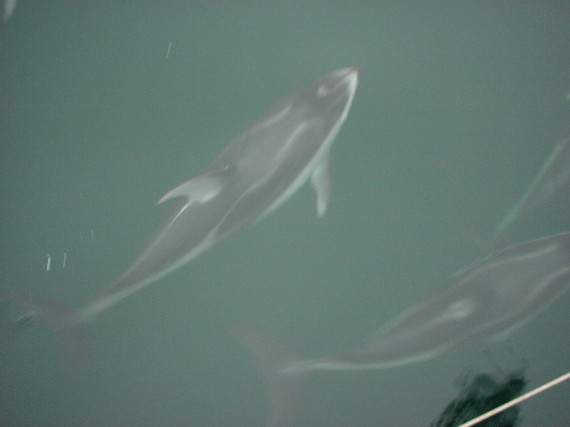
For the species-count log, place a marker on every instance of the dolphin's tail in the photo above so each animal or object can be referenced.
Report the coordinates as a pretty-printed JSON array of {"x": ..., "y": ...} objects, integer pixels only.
[
  {"x": 283, "y": 374},
  {"x": 71, "y": 330}
]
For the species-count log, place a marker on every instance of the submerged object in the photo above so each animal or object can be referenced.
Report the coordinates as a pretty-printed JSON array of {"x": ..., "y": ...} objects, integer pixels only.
[
  {"x": 487, "y": 300},
  {"x": 257, "y": 172},
  {"x": 481, "y": 394},
  {"x": 513, "y": 402},
  {"x": 554, "y": 173}
]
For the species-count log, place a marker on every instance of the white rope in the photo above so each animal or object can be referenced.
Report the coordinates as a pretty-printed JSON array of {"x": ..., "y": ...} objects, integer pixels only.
[{"x": 518, "y": 400}]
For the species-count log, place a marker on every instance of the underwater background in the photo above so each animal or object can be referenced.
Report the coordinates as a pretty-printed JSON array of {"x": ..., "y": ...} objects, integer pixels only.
[{"x": 105, "y": 106}]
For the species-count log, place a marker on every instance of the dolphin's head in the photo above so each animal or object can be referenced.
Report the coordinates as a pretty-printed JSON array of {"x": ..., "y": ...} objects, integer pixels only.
[{"x": 329, "y": 98}]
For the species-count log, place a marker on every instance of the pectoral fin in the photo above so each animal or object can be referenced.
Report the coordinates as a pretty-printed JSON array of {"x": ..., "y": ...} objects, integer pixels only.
[
  {"x": 199, "y": 189},
  {"x": 321, "y": 182}
]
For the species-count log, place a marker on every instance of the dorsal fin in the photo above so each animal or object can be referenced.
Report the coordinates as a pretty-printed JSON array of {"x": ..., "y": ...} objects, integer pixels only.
[{"x": 199, "y": 189}]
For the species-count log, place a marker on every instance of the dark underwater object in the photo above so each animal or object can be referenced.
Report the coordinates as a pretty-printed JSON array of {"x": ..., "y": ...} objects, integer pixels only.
[{"x": 481, "y": 394}]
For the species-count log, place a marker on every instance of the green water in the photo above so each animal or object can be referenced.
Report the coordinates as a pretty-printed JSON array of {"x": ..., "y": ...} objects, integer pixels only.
[{"x": 106, "y": 105}]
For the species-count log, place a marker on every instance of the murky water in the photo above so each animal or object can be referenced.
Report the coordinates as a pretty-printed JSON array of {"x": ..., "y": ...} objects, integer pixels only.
[{"x": 104, "y": 106}]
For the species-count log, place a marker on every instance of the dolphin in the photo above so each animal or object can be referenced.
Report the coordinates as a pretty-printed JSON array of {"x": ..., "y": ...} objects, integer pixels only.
[
  {"x": 255, "y": 174},
  {"x": 486, "y": 300},
  {"x": 9, "y": 7},
  {"x": 552, "y": 176}
]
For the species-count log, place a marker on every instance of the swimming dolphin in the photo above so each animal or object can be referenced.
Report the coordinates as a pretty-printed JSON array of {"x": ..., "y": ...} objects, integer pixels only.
[
  {"x": 256, "y": 173},
  {"x": 9, "y": 6},
  {"x": 488, "y": 299},
  {"x": 553, "y": 175}
]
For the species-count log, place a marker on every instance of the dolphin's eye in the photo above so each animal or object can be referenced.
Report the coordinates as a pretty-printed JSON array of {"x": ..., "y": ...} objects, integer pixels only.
[{"x": 323, "y": 91}]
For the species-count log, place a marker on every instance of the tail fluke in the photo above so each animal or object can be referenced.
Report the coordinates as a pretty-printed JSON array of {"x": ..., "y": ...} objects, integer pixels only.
[
  {"x": 284, "y": 379},
  {"x": 71, "y": 331}
]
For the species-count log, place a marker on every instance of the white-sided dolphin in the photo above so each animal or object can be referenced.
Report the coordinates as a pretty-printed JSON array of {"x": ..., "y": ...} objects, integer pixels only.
[
  {"x": 255, "y": 174},
  {"x": 489, "y": 299},
  {"x": 553, "y": 175},
  {"x": 9, "y": 7}
]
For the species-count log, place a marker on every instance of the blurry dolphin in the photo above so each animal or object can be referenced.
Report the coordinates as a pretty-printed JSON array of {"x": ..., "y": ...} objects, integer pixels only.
[
  {"x": 9, "y": 6},
  {"x": 489, "y": 299},
  {"x": 255, "y": 174},
  {"x": 554, "y": 173}
]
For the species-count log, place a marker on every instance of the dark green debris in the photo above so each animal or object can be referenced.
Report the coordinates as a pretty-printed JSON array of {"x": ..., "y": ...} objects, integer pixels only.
[{"x": 482, "y": 394}]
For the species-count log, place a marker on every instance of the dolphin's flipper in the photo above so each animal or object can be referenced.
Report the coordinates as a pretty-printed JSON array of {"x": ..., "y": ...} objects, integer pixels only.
[
  {"x": 284, "y": 385},
  {"x": 321, "y": 182}
]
